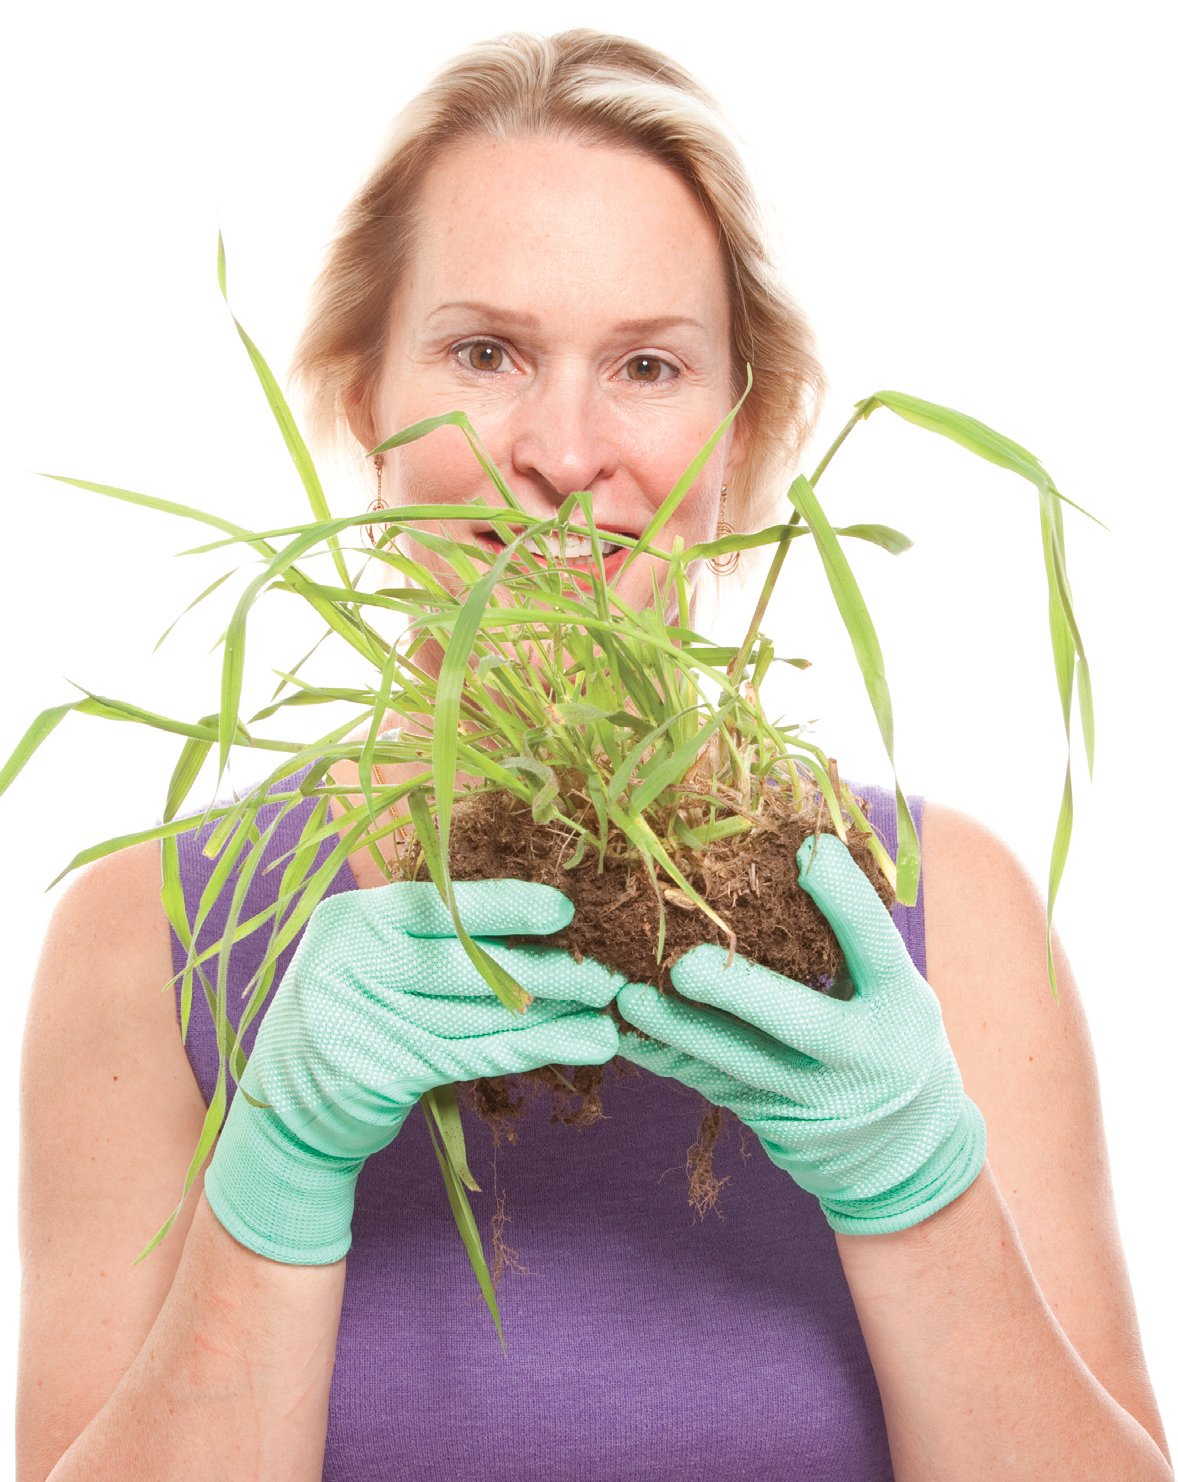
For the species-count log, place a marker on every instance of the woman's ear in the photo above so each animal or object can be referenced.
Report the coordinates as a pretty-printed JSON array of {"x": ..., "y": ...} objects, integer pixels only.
[
  {"x": 738, "y": 445},
  {"x": 360, "y": 419}
]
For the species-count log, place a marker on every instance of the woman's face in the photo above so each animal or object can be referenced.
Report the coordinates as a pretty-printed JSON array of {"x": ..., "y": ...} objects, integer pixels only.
[{"x": 571, "y": 299}]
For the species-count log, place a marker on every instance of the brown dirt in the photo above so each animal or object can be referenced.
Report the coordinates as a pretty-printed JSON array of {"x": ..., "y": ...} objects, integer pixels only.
[{"x": 749, "y": 879}]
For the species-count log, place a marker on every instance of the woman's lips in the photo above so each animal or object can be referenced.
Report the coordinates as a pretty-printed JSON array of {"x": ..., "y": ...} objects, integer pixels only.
[{"x": 610, "y": 565}]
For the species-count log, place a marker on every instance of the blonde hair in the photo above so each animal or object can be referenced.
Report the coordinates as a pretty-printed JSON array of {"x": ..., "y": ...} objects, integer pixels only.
[{"x": 597, "y": 89}]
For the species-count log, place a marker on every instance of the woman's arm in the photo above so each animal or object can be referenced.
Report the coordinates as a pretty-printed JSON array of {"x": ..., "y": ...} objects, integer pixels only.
[
  {"x": 205, "y": 1360},
  {"x": 1002, "y": 1329}
]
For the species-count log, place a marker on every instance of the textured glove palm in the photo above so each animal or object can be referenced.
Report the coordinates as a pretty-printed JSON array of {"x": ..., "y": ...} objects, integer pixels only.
[
  {"x": 860, "y": 1101},
  {"x": 379, "y": 1005}
]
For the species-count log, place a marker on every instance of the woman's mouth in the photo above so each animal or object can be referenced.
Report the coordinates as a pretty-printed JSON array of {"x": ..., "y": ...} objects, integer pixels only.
[{"x": 578, "y": 555}]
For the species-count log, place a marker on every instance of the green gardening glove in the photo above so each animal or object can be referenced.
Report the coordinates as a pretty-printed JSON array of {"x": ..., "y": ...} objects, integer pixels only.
[
  {"x": 861, "y": 1101},
  {"x": 379, "y": 1005}
]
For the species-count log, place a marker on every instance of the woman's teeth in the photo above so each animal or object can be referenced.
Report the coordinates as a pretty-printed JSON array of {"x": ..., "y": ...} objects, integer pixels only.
[{"x": 576, "y": 547}]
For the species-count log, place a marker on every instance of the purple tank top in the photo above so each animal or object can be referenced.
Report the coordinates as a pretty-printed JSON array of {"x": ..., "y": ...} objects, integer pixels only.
[{"x": 642, "y": 1342}]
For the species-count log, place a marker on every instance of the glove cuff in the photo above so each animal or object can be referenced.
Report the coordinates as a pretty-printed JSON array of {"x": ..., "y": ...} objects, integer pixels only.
[
  {"x": 278, "y": 1196},
  {"x": 945, "y": 1176}
]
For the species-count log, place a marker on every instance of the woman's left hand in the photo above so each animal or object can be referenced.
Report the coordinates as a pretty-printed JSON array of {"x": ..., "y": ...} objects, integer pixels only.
[{"x": 860, "y": 1101}]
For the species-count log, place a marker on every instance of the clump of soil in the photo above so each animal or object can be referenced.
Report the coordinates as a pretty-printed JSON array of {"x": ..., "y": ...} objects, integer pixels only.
[{"x": 749, "y": 879}]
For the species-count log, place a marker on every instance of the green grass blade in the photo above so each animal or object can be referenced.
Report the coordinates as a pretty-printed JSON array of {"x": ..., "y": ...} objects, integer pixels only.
[
  {"x": 506, "y": 989},
  {"x": 212, "y": 587},
  {"x": 451, "y": 681},
  {"x": 442, "y": 1103},
  {"x": 362, "y": 638},
  {"x": 865, "y": 642},
  {"x": 632, "y": 759},
  {"x": 167, "y": 507},
  {"x": 192, "y": 758},
  {"x": 1059, "y": 854},
  {"x": 172, "y": 899},
  {"x": 1062, "y": 648},
  {"x": 643, "y": 837},
  {"x": 884, "y": 536},
  {"x": 980, "y": 439},
  {"x": 214, "y": 1117},
  {"x": 683, "y": 484},
  {"x": 259, "y": 986},
  {"x": 461, "y": 421},
  {"x": 233, "y": 665},
  {"x": 379, "y": 710},
  {"x": 291, "y": 435},
  {"x": 664, "y": 771},
  {"x": 1067, "y": 646},
  {"x": 112, "y": 709},
  {"x": 398, "y": 515},
  {"x": 45, "y": 723},
  {"x": 1061, "y": 591},
  {"x": 464, "y": 1219},
  {"x": 894, "y": 541},
  {"x": 852, "y": 608}
]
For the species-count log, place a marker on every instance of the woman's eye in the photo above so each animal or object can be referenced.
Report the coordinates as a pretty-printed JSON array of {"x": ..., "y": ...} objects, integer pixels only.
[
  {"x": 483, "y": 355},
  {"x": 649, "y": 369}
]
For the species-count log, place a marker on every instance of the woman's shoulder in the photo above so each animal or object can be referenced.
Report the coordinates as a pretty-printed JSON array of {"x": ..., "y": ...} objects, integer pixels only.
[
  {"x": 105, "y": 962},
  {"x": 986, "y": 941},
  {"x": 105, "y": 1080},
  {"x": 978, "y": 893},
  {"x": 113, "y": 906}
]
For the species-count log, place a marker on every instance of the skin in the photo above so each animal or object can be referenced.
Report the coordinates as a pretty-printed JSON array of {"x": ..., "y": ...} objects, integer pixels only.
[{"x": 210, "y": 1360}]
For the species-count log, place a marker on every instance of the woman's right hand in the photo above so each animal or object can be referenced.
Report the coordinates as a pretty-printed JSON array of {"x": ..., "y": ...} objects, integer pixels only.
[{"x": 381, "y": 1004}]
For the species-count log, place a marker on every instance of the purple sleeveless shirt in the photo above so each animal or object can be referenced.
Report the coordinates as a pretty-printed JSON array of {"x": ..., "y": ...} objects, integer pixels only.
[{"x": 642, "y": 1343}]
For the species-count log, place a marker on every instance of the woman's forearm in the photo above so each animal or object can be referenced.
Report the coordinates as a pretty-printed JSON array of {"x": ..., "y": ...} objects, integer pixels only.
[
  {"x": 976, "y": 1376},
  {"x": 233, "y": 1380}
]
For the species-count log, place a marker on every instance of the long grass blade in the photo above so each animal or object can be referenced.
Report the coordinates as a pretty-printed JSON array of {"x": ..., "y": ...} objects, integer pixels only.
[
  {"x": 506, "y": 989},
  {"x": 980, "y": 439},
  {"x": 192, "y": 758},
  {"x": 233, "y": 665},
  {"x": 44, "y": 725},
  {"x": 683, "y": 484},
  {"x": 663, "y": 772},
  {"x": 442, "y": 1103},
  {"x": 451, "y": 680},
  {"x": 865, "y": 642},
  {"x": 167, "y": 507},
  {"x": 1059, "y": 853},
  {"x": 210, "y": 1128},
  {"x": 291, "y": 436},
  {"x": 212, "y": 587},
  {"x": 465, "y": 1221}
]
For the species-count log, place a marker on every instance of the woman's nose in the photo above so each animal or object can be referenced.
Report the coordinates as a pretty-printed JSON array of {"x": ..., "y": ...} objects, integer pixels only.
[{"x": 563, "y": 434}]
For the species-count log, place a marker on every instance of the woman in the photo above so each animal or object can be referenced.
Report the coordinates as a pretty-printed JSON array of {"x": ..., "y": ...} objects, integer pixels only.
[{"x": 563, "y": 243}]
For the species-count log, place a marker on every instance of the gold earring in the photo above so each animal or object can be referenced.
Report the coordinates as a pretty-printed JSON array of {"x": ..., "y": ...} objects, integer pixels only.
[
  {"x": 378, "y": 503},
  {"x": 723, "y": 565}
]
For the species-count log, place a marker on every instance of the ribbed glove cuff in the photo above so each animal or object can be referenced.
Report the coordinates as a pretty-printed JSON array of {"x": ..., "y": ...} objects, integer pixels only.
[
  {"x": 276, "y": 1195},
  {"x": 948, "y": 1173}
]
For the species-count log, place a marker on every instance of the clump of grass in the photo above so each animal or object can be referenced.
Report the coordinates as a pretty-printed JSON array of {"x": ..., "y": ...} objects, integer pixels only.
[{"x": 625, "y": 723}]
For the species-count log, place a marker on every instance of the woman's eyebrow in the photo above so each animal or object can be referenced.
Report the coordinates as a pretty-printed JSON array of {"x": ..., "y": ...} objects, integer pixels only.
[
  {"x": 491, "y": 311},
  {"x": 656, "y": 324}
]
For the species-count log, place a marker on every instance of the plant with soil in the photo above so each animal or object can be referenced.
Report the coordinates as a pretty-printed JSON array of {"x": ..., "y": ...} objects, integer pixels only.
[{"x": 612, "y": 752}]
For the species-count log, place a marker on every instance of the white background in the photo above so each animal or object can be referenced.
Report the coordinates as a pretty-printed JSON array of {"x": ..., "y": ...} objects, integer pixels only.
[{"x": 973, "y": 206}]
